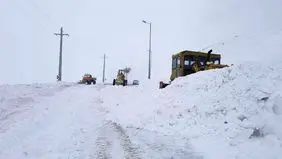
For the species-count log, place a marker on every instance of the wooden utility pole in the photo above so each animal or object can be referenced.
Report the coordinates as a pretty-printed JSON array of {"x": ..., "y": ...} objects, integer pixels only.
[
  {"x": 104, "y": 67},
  {"x": 61, "y": 34}
]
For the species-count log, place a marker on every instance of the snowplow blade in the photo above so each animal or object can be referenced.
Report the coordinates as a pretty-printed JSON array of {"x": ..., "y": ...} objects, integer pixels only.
[{"x": 163, "y": 85}]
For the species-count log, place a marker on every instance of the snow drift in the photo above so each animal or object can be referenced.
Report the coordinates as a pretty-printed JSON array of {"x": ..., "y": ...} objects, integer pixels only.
[
  {"x": 229, "y": 113},
  {"x": 220, "y": 110}
]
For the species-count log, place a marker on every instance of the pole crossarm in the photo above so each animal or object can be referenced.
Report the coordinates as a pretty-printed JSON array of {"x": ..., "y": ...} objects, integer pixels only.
[{"x": 61, "y": 34}]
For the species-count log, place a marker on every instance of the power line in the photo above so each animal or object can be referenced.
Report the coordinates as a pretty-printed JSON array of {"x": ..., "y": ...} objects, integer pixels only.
[
  {"x": 43, "y": 13},
  {"x": 242, "y": 36},
  {"x": 32, "y": 8},
  {"x": 218, "y": 43}
]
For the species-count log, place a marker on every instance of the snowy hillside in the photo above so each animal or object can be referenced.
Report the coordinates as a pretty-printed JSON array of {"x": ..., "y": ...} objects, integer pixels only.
[{"x": 217, "y": 111}]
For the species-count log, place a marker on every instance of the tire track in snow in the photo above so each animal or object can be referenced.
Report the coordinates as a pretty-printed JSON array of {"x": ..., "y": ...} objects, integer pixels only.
[
  {"x": 112, "y": 137},
  {"x": 104, "y": 146},
  {"x": 161, "y": 145}
]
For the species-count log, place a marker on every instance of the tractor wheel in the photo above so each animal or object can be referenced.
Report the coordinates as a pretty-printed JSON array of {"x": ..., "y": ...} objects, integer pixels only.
[
  {"x": 114, "y": 82},
  {"x": 88, "y": 82},
  {"x": 124, "y": 83},
  {"x": 94, "y": 82}
]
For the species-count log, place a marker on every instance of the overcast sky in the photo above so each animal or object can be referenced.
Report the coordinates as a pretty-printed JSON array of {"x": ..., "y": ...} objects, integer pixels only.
[{"x": 29, "y": 50}]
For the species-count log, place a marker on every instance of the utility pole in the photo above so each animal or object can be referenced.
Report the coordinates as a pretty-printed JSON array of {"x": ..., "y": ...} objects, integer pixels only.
[
  {"x": 104, "y": 67},
  {"x": 61, "y": 34},
  {"x": 150, "y": 52},
  {"x": 150, "y": 49}
]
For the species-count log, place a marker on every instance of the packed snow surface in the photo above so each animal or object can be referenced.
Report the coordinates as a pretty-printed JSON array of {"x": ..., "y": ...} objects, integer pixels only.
[
  {"x": 68, "y": 121},
  {"x": 229, "y": 113}
]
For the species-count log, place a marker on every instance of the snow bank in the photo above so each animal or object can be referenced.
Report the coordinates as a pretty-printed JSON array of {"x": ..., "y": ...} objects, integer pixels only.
[{"x": 218, "y": 110}]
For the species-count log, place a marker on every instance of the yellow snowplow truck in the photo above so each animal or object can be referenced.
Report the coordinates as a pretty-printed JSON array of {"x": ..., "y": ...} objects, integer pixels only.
[
  {"x": 121, "y": 78},
  {"x": 189, "y": 62}
]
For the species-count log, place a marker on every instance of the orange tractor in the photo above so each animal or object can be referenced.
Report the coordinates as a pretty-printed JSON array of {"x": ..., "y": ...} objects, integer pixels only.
[{"x": 88, "y": 79}]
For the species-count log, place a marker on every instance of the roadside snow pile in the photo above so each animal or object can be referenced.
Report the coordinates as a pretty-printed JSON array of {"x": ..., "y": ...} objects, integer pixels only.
[{"x": 228, "y": 113}]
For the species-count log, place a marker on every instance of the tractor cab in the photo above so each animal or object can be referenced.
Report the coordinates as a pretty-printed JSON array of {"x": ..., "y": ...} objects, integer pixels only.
[{"x": 188, "y": 62}]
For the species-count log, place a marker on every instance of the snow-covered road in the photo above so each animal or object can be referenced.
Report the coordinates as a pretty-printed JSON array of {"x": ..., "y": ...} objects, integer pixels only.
[
  {"x": 71, "y": 123},
  {"x": 61, "y": 126}
]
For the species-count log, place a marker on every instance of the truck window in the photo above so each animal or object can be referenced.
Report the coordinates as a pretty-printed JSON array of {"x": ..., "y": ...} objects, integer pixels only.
[
  {"x": 174, "y": 63},
  {"x": 187, "y": 61},
  {"x": 178, "y": 62}
]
